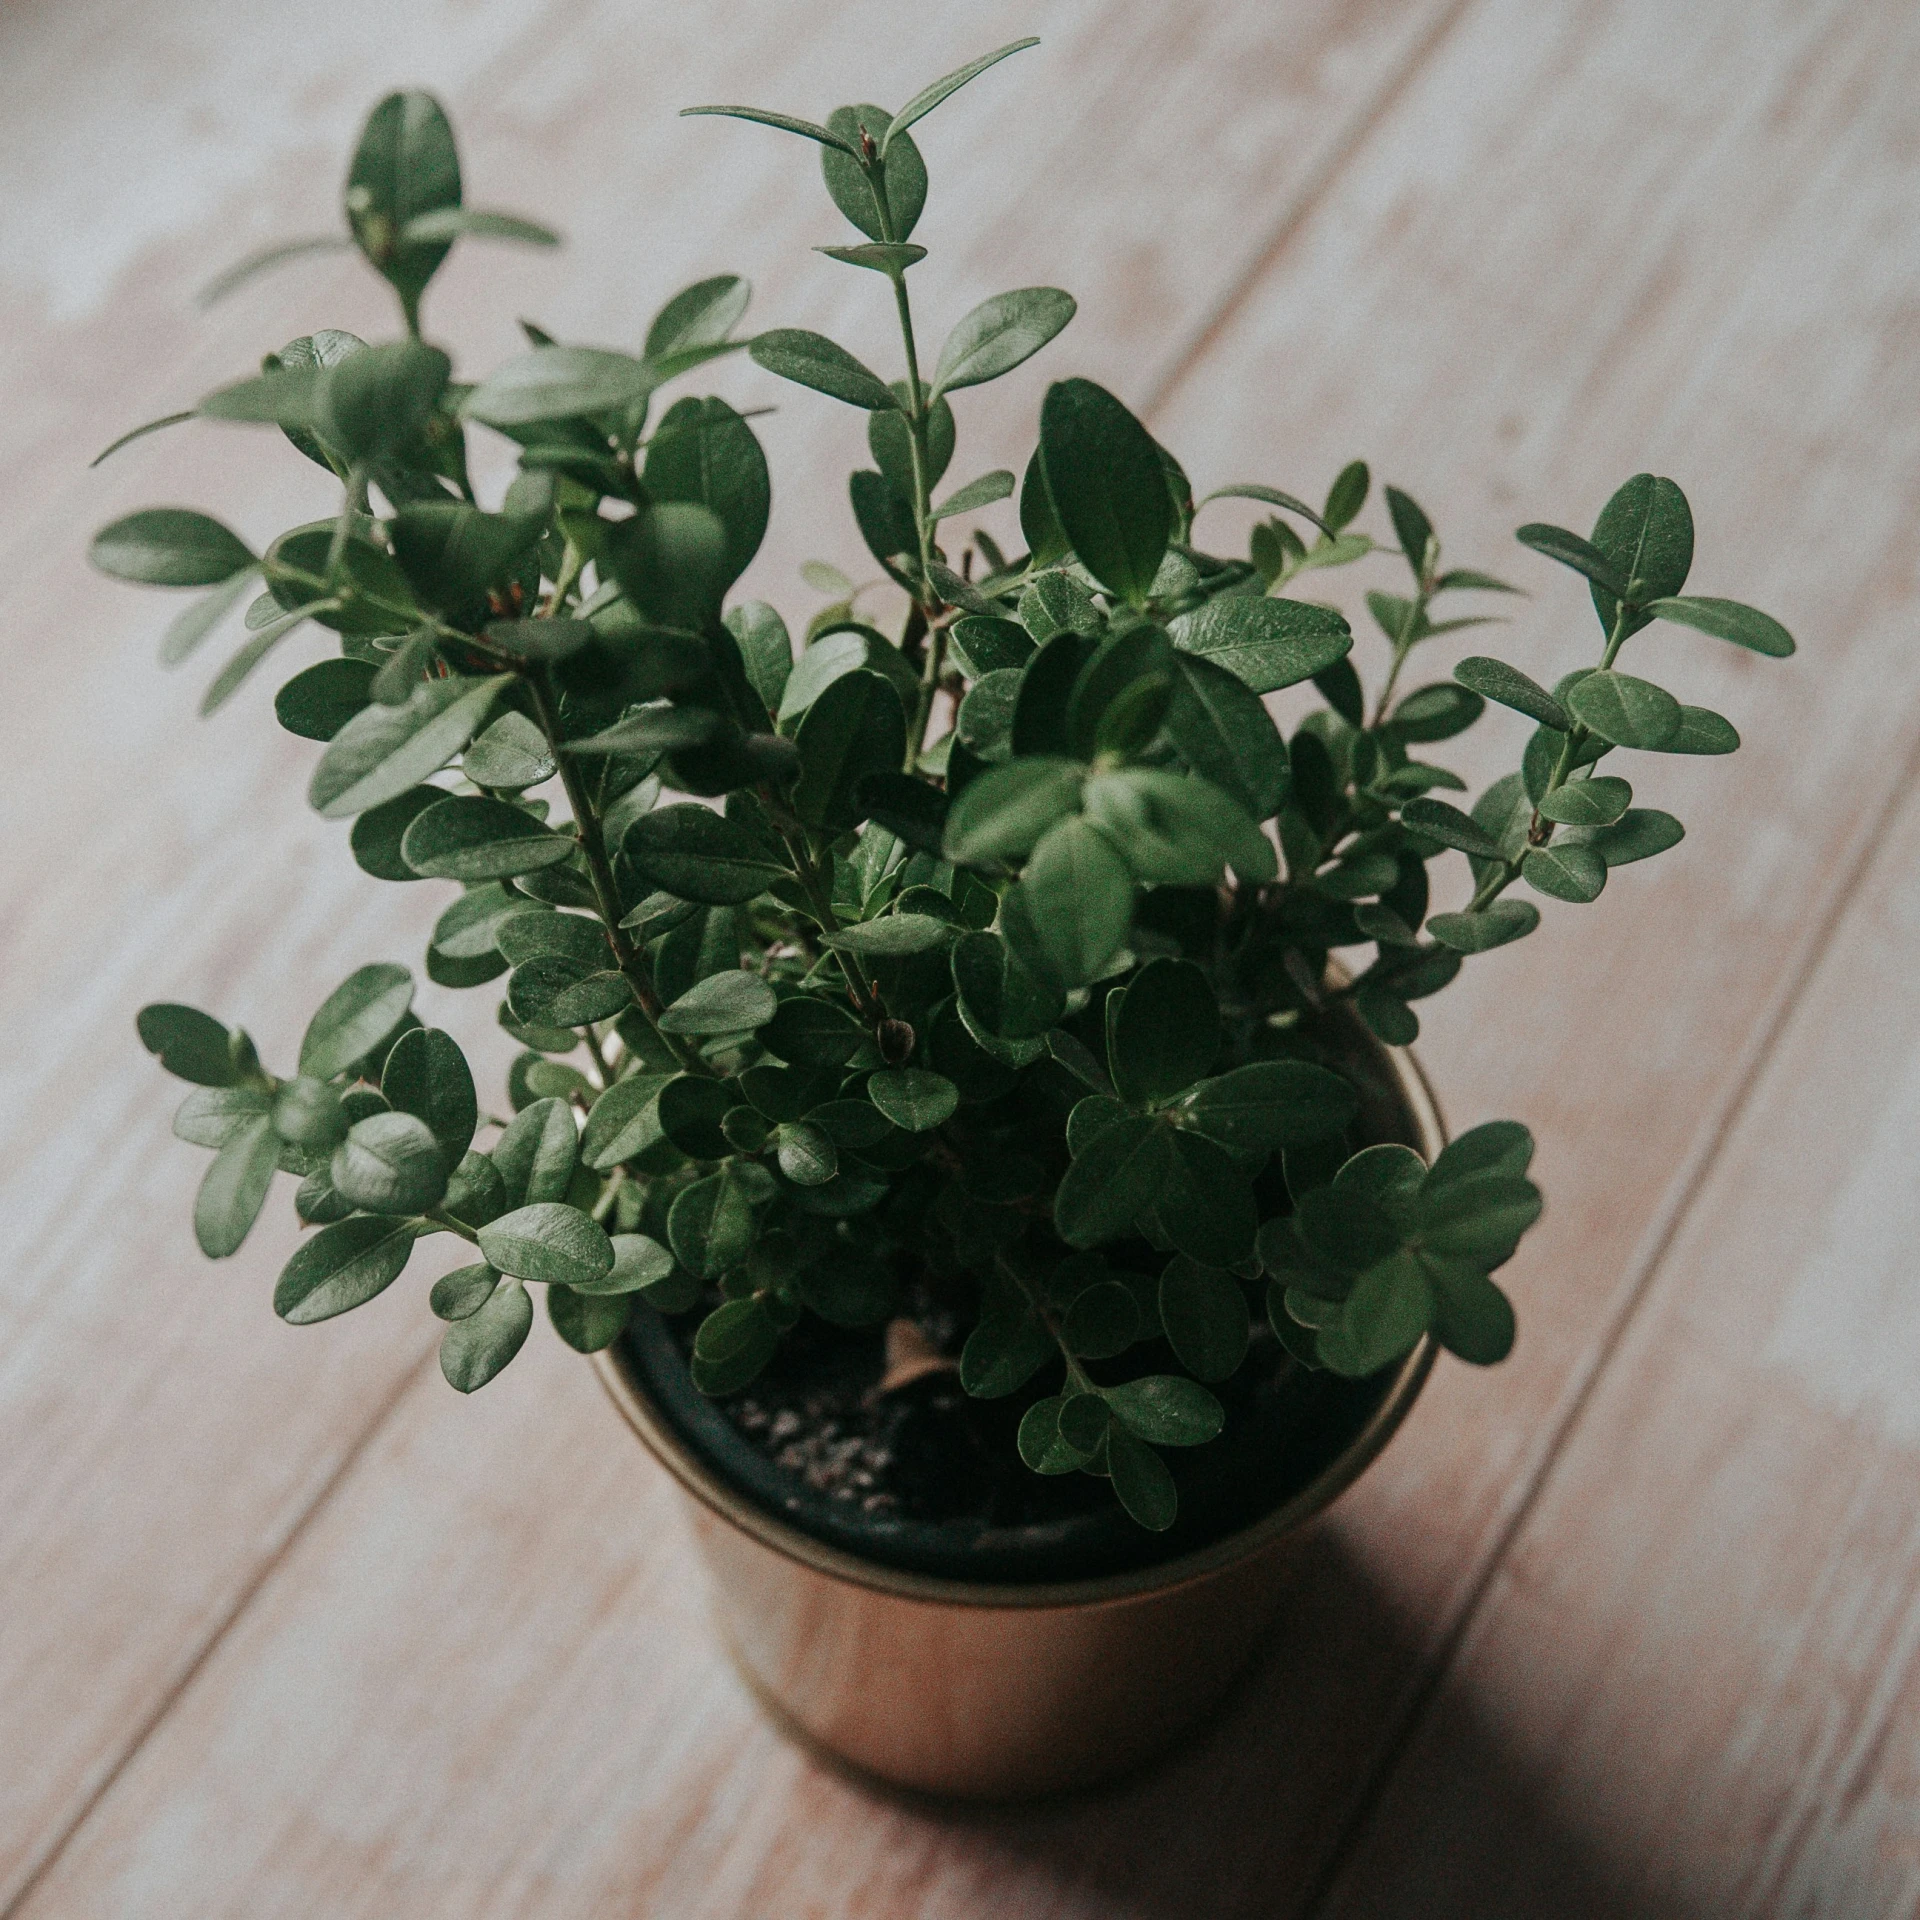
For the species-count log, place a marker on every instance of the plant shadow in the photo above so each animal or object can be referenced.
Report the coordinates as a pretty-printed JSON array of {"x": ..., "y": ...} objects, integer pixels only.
[{"x": 1247, "y": 1820}]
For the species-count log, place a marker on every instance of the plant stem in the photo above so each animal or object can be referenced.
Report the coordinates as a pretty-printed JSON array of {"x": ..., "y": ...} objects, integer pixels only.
[
  {"x": 806, "y": 869},
  {"x": 593, "y": 844},
  {"x": 598, "y": 1055}
]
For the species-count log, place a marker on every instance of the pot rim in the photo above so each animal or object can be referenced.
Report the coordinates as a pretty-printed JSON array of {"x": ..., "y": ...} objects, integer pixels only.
[{"x": 792, "y": 1543}]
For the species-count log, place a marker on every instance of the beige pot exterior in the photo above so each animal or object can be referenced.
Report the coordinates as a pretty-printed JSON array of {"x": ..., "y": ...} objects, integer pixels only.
[{"x": 986, "y": 1692}]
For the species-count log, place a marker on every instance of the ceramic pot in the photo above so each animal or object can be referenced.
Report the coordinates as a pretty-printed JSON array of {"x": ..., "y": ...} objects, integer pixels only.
[{"x": 997, "y": 1687}]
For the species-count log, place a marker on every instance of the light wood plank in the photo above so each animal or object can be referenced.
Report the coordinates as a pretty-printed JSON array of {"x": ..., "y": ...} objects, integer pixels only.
[
  {"x": 166, "y": 1436},
  {"x": 1582, "y": 243},
  {"x": 1695, "y": 1683}
]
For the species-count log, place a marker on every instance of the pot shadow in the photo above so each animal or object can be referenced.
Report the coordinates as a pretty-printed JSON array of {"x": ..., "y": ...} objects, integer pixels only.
[{"x": 1247, "y": 1819}]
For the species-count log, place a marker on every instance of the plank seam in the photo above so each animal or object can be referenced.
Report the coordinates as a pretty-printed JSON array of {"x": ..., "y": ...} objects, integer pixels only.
[
  {"x": 37, "y": 1871},
  {"x": 1642, "y": 1272},
  {"x": 1298, "y": 208}
]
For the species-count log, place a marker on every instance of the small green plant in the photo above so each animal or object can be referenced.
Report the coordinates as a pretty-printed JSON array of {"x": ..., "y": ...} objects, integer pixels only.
[{"x": 1006, "y": 955}]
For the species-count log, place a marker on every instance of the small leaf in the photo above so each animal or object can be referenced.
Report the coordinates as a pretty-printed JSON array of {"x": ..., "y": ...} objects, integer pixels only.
[
  {"x": 342, "y": 1267},
  {"x": 474, "y": 1349},
  {"x": 1701, "y": 730},
  {"x": 785, "y": 122},
  {"x": 1104, "y": 1320},
  {"x": 588, "y": 1322},
  {"x": 1167, "y": 1410},
  {"x": 976, "y": 494},
  {"x": 560, "y": 383},
  {"x": 711, "y": 1224},
  {"x": 1003, "y": 1353},
  {"x": 1267, "y": 643},
  {"x": 734, "y": 1342},
  {"x": 1638, "y": 834},
  {"x": 879, "y": 256},
  {"x": 390, "y": 1163},
  {"x": 427, "y": 1075},
  {"x": 896, "y": 935},
  {"x": 624, "y": 1122},
  {"x": 170, "y": 547},
  {"x": 912, "y": 1098},
  {"x": 364, "y": 1010},
  {"x": 474, "y": 838},
  {"x": 1165, "y": 1033},
  {"x": 731, "y": 1002},
  {"x": 1107, "y": 486},
  {"x": 812, "y": 360},
  {"x": 999, "y": 334},
  {"x": 451, "y": 223},
  {"x": 1587, "y": 803},
  {"x": 855, "y": 728},
  {"x": 462, "y": 1292},
  {"x": 924, "y": 102},
  {"x": 1624, "y": 710},
  {"x": 696, "y": 854},
  {"x": 1450, "y": 827},
  {"x": 1727, "y": 620},
  {"x": 550, "y": 1241},
  {"x": 1272, "y": 1104},
  {"x": 234, "y": 1188},
  {"x": 1511, "y": 688},
  {"x": 1481, "y": 932},
  {"x": 1565, "y": 870},
  {"x": 1119, "y": 1175},
  {"x": 1571, "y": 551},
  {"x": 1205, "y": 1316},
  {"x": 1077, "y": 901},
  {"x": 1646, "y": 532},
  {"x": 190, "y": 1044},
  {"x": 1141, "y": 1482},
  {"x": 382, "y": 751}
]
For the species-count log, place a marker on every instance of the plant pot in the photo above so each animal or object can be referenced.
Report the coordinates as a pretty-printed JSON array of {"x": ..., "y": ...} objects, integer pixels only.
[{"x": 966, "y": 1663}]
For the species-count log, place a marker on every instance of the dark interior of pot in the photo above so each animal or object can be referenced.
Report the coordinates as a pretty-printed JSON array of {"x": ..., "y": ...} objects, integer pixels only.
[{"x": 921, "y": 1477}]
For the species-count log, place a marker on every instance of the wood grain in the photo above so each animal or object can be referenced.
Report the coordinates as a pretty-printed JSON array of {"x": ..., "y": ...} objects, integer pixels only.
[
  {"x": 1700, "y": 1661},
  {"x": 167, "y": 1438}
]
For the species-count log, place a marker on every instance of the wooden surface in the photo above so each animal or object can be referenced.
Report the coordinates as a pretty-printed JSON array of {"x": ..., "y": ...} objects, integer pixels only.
[{"x": 1628, "y": 1627}]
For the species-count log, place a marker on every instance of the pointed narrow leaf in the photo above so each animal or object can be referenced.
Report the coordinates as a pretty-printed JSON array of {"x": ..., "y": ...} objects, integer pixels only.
[
  {"x": 170, "y": 547},
  {"x": 784, "y": 121},
  {"x": 924, "y": 102},
  {"x": 999, "y": 334},
  {"x": 235, "y": 1188},
  {"x": 1495, "y": 680},
  {"x": 812, "y": 360},
  {"x": 1571, "y": 551}
]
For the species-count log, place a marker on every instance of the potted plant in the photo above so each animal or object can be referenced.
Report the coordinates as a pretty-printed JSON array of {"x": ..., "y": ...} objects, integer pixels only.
[{"x": 958, "y": 1099}]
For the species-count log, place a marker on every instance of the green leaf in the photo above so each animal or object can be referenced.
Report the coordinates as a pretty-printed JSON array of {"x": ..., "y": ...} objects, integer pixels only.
[
  {"x": 766, "y": 649},
  {"x": 462, "y": 1292},
  {"x": 234, "y": 1188},
  {"x": 1638, "y": 834},
  {"x": 690, "y": 1109},
  {"x": 364, "y": 1010},
  {"x": 510, "y": 756},
  {"x": 1166, "y": 1409},
  {"x": 374, "y": 405},
  {"x": 1174, "y": 830},
  {"x": 784, "y": 121},
  {"x": 734, "y": 1342},
  {"x": 427, "y": 1076},
  {"x": 1511, "y": 688},
  {"x": 1646, "y": 532},
  {"x": 1007, "y": 811},
  {"x": 879, "y": 256},
  {"x": 550, "y": 1241},
  {"x": 1206, "y": 1208},
  {"x": 1385, "y": 1314},
  {"x": 474, "y": 1349},
  {"x": 170, "y": 547},
  {"x": 453, "y": 554},
  {"x": 806, "y": 1153},
  {"x": 1120, "y": 1175},
  {"x": 1472, "y": 1318},
  {"x": 1205, "y": 1316},
  {"x": 999, "y": 334},
  {"x": 702, "y": 452},
  {"x": 976, "y": 494},
  {"x": 1626, "y": 711},
  {"x": 1450, "y": 827},
  {"x": 1077, "y": 896},
  {"x": 1041, "y": 1444},
  {"x": 852, "y": 186},
  {"x": 711, "y": 1224},
  {"x": 560, "y": 383},
  {"x": 702, "y": 315},
  {"x": 1104, "y": 1320},
  {"x": 1269, "y": 644},
  {"x": 1565, "y": 870},
  {"x": 1107, "y": 486},
  {"x": 1411, "y": 528},
  {"x": 854, "y": 728},
  {"x": 809, "y": 1031},
  {"x": 288, "y": 397},
  {"x": 1225, "y": 734},
  {"x": 671, "y": 561},
  {"x": 639, "y": 1263},
  {"x": 1481, "y": 932},
  {"x": 998, "y": 993},
  {"x": 1272, "y": 1104},
  {"x": 1141, "y": 1482},
  {"x": 405, "y": 166},
  {"x": 342, "y": 1267},
  {"x": 451, "y": 223},
  {"x": 696, "y": 854},
  {"x": 318, "y": 701},
  {"x": 1701, "y": 730},
  {"x": 190, "y": 1044},
  {"x": 1727, "y": 620},
  {"x": 309, "y": 1114},
  {"x": 476, "y": 838},
  {"x": 1347, "y": 495},
  {"x": 1496, "y": 1146},
  {"x": 1587, "y": 803},
  {"x": 912, "y": 1098},
  {"x": 1165, "y": 1033},
  {"x": 587, "y": 1322},
  {"x": 812, "y": 360},
  {"x": 382, "y": 751},
  {"x": 1273, "y": 497},
  {"x": 924, "y": 102},
  {"x": 1571, "y": 551},
  {"x": 537, "y": 1154},
  {"x": 979, "y": 646},
  {"x": 897, "y": 935},
  {"x": 1438, "y": 712},
  {"x": 624, "y": 1122},
  {"x": 735, "y": 1002},
  {"x": 1003, "y": 1353},
  {"x": 390, "y": 1163}
]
